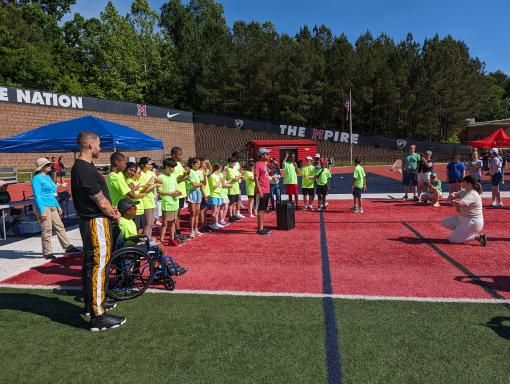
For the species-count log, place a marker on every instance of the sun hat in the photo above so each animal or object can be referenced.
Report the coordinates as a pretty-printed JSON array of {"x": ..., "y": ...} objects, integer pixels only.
[
  {"x": 308, "y": 158},
  {"x": 317, "y": 155},
  {"x": 263, "y": 151},
  {"x": 40, "y": 163},
  {"x": 494, "y": 150}
]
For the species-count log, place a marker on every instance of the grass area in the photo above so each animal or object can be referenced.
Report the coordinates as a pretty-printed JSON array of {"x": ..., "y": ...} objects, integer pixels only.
[{"x": 218, "y": 339}]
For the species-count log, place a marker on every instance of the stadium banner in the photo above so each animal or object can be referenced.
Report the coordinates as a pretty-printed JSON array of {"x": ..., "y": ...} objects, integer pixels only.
[
  {"x": 62, "y": 100},
  {"x": 290, "y": 130}
]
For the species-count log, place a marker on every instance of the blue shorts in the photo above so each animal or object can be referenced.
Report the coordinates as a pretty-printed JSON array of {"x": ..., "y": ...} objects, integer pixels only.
[
  {"x": 213, "y": 201},
  {"x": 195, "y": 196},
  {"x": 356, "y": 192},
  {"x": 409, "y": 178},
  {"x": 454, "y": 180},
  {"x": 496, "y": 179}
]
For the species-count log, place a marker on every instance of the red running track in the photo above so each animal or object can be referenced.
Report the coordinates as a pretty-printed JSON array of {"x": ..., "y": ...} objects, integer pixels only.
[{"x": 369, "y": 254}]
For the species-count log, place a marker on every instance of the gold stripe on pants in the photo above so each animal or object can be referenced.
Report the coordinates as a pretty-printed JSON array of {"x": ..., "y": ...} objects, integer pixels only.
[{"x": 101, "y": 242}]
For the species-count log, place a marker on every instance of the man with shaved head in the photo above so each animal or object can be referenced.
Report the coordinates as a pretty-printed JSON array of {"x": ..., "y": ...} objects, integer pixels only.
[{"x": 94, "y": 206}]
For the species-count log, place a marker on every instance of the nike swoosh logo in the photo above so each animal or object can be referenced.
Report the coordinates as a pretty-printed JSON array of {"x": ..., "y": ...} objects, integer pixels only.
[{"x": 170, "y": 116}]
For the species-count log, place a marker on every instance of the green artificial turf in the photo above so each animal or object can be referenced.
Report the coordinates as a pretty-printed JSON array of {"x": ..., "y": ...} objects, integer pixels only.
[
  {"x": 409, "y": 342},
  {"x": 167, "y": 339},
  {"x": 172, "y": 338}
]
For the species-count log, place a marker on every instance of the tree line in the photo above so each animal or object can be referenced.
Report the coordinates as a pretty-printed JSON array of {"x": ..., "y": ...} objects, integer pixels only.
[{"x": 186, "y": 56}]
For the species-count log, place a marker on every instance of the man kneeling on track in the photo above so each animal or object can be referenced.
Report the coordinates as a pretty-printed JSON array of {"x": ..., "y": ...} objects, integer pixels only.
[{"x": 127, "y": 226}]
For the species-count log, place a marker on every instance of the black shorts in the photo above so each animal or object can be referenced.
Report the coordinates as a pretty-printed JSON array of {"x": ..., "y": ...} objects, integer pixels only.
[
  {"x": 356, "y": 192},
  {"x": 409, "y": 179},
  {"x": 322, "y": 189},
  {"x": 232, "y": 199},
  {"x": 181, "y": 203},
  {"x": 308, "y": 192},
  {"x": 496, "y": 179},
  {"x": 140, "y": 221},
  {"x": 261, "y": 203},
  {"x": 204, "y": 204}
]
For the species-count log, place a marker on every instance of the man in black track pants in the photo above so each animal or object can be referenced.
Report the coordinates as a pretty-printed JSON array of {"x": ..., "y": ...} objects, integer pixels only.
[{"x": 93, "y": 204}]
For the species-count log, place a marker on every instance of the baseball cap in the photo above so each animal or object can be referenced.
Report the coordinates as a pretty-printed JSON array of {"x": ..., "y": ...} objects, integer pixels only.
[
  {"x": 317, "y": 155},
  {"x": 308, "y": 158},
  {"x": 433, "y": 174},
  {"x": 125, "y": 204},
  {"x": 263, "y": 151},
  {"x": 494, "y": 150}
]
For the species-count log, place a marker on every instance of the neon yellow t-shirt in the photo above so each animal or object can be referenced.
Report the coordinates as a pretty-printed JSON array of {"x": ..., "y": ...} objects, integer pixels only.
[
  {"x": 359, "y": 174},
  {"x": 204, "y": 179},
  {"x": 224, "y": 190},
  {"x": 127, "y": 228},
  {"x": 138, "y": 186},
  {"x": 179, "y": 171},
  {"x": 250, "y": 183},
  {"x": 194, "y": 177},
  {"x": 117, "y": 187},
  {"x": 323, "y": 175},
  {"x": 290, "y": 173},
  {"x": 306, "y": 172},
  {"x": 148, "y": 200},
  {"x": 215, "y": 185},
  {"x": 232, "y": 173},
  {"x": 169, "y": 184}
]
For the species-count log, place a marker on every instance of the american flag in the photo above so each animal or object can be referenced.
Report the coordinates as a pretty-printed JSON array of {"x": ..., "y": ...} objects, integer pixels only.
[{"x": 347, "y": 108}]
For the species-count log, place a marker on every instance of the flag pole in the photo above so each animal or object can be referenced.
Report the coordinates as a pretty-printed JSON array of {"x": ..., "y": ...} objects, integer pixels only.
[{"x": 350, "y": 122}]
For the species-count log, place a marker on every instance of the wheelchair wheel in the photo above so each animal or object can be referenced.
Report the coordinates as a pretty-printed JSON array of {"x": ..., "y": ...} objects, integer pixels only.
[
  {"x": 169, "y": 282},
  {"x": 129, "y": 273}
]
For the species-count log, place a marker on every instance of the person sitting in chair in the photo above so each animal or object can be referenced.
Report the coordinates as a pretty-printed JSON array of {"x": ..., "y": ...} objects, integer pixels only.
[
  {"x": 15, "y": 214},
  {"x": 129, "y": 234}
]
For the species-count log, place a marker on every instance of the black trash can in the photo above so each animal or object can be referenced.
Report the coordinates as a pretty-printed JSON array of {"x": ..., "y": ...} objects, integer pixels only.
[{"x": 285, "y": 215}]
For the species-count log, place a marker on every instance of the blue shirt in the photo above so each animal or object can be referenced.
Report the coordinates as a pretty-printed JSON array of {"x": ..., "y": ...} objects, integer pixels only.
[
  {"x": 455, "y": 170},
  {"x": 44, "y": 192}
]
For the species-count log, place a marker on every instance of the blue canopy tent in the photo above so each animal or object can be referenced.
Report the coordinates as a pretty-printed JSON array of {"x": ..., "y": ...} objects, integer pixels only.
[{"x": 61, "y": 137}]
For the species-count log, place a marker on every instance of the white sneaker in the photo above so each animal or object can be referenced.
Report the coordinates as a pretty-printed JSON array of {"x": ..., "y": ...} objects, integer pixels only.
[
  {"x": 499, "y": 205},
  {"x": 224, "y": 223},
  {"x": 359, "y": 210},
  {"x": 494, "y": 204},
  {"x": 214, "y": 226},
  {"x": 219, "y": 225},
  {"x": 239, "y": 216}
]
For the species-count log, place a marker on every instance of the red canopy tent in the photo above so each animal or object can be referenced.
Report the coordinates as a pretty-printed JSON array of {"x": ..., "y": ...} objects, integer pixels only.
[{"x": 496, "y": 139}]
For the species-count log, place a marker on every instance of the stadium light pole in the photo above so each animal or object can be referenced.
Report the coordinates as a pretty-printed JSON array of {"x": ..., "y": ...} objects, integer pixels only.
[{"x": 350, "y": 122}]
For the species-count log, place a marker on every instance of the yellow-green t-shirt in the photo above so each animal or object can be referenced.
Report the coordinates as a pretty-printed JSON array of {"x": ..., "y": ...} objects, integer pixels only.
[
  {"x": 138, "y": 186},
  {"x": 148, "y": 199},
  {"x": 127, "y": 228},
  {"x": 290, "y": 173},
  {"x": 169, "y": 184},
  {"x": 204, "y": 180},
  {"x": 224, "y": 190},
  {"x": 232, "y": 173},
  {"x": 306, "y": 172},
  {"x": 323, "y": 175},
  {"x": 250, "y": 183},
  {"x": 215, "y": 185},
  {"x": 194, "y": 178},
  {"x": 181, "y": 187},
  {"x": 117, "y": 187},
  {"x": 359, "y": 174}
]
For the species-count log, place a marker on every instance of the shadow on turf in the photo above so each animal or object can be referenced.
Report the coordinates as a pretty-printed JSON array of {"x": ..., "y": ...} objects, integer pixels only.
[
  {"x": 416, "y": 240},
  {"x": 496, "y": 324},
  {"x": 13, "y": 254},
  {"x": 54, "y": 309},
  {"x": 496, "y": 283}
]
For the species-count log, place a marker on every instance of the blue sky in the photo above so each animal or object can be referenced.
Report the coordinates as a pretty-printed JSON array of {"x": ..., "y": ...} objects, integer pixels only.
[{"x": 484, "y": 26}]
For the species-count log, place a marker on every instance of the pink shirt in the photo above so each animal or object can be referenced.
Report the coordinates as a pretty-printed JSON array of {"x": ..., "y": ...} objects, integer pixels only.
[{"x": 261, "y": 172}]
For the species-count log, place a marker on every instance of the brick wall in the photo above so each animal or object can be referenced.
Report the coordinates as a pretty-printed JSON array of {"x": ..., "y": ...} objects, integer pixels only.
[{"x": 17, "y": 118}]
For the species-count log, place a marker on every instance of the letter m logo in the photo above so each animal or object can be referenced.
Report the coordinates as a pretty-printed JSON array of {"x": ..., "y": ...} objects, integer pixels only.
[
  {"x": 141, "y": 110},
  {"x": 318, "y": 134}
]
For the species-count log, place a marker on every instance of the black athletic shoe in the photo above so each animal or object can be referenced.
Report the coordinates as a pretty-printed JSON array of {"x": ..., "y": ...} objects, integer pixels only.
[
  {"x": 105, "y": 322},
  {"x": 50, "y": 256},
  {"x": 415, "y": 198},
  {"x": 177, "y": 271},
  {"x": 483, "y": 240},
  {"x": 181, "y": 237},
  {"x": 232, "y": 219},
  {"x": 108, "y": 306},
  {"x": 264, "y": 231},
  {"x": 404, "y": 197}
]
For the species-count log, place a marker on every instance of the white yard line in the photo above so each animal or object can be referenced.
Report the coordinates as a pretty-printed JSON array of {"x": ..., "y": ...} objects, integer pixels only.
[{"x": 289, "y": 294}]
